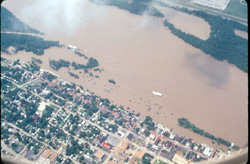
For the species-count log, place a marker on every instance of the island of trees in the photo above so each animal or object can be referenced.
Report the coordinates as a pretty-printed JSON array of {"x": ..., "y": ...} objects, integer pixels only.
[
  {"x": 80, "y": 54},
  {"x": 91, "y": 64},
  {"x": 183, "y": 122},
  {"x": 73, "y": 75},
  {"x": 56, "y": 65},
  {"x": 112, "y": 81},
  {"x": 36, "y": 60},
  {"x": 223, "y": 43}
]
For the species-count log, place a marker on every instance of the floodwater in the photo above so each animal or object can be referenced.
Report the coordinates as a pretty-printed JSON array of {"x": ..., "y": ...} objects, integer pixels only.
[
  {"x": 142, "y": 56},
  {"x": 187, "y": 23},
  {"x": 242, "y": 34}
]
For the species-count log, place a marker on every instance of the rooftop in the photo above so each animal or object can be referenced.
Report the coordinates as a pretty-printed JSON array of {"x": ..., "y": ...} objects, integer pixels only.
[
  {"x": 139, "y": 154},
  {"x": 113, "y": 140},
  {"x": 47, "y": 153},
  {"x": 99, "y": 154}
]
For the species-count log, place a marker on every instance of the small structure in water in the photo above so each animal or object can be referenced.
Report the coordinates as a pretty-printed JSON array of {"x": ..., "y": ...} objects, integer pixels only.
[
  {"x": 72, "y": 47},
  {"x": 157, "y": 93}
]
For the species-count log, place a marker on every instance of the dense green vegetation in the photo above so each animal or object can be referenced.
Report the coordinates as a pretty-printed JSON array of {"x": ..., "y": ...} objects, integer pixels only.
[
  {"x": 73, "y": 75},
  {"x": 74, "y": 148},
  {"x": 80, "y": 54},
  {"x": 77, "y": 66},
  {"x": 43, "y": 122},
  {"x": 137, "y": 7},
  {"x": 33, "y": 67},
  {"x": 56, "y": 65},
  {"x": 48, "y": 76},
  {"x": 91, "y": 64},
  {"x": 149, "y": 122},
  {"x": 11, "y": 23},
  {"x": 91, "y": 109},
  {"x": 25, "y": 42},
  {"x": 36, "y": 60},
  {"x": 222, "y": 43},
  {"x": 146, "y": 160},
  {"x": 183, "y": 122}
]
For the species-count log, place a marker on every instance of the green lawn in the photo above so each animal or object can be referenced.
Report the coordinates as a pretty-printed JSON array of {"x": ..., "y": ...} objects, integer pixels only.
[
  {"x": 138, "y": 141},
  {"x": 237, "y": 9}
]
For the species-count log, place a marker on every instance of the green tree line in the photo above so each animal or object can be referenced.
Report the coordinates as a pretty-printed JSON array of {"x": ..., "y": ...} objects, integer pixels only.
[
  {"x": 183, "y": 122},
  {"x": 26, "y": 42}
]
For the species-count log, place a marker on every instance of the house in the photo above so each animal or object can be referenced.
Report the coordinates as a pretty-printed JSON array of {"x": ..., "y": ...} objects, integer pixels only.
[
  {"x": 121, "y": 134},
  {"x": 105, "y": 145},
  {"x": 152, "y": 137},
  {"x": 192, "y": 155},
  {"x": 157, "y": 141},
  {"x": 178, "y": 138},
  {"x": 168, "y": 154},
  {"x": 172, "y": 136},
  {"x": 196, "y": 148},
  {"x": 168, "y": 144},
  {"x": 131, "y": 137},
  {"x": 207, "y": 151}
]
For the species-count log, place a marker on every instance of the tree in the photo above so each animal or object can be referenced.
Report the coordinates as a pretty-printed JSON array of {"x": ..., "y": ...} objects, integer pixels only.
[
  {"x": 147, "y": 133},
  {"x": 112, "y": 81},
  {"x": 137, "y": 130},
  {"x": 145, "y": 160},
  {"x": 14, "y": 145},
  {"x": 81, "y": 159}
]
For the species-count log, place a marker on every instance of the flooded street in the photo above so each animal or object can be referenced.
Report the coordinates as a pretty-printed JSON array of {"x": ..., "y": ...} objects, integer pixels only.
[{"x": 142, "y": 56}]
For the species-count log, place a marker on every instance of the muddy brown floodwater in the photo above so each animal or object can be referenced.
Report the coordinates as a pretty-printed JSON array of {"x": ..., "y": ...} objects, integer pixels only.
[
  {"x": 142, "y": 56},
  {"x": 242, "y": 34}
]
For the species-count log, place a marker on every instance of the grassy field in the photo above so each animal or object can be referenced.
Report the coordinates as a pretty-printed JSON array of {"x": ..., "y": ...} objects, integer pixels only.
[{"x": 237, "y": 9}]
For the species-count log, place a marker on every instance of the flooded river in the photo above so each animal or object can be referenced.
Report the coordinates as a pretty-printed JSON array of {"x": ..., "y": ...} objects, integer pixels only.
[{"x": 142, "y": 56}]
